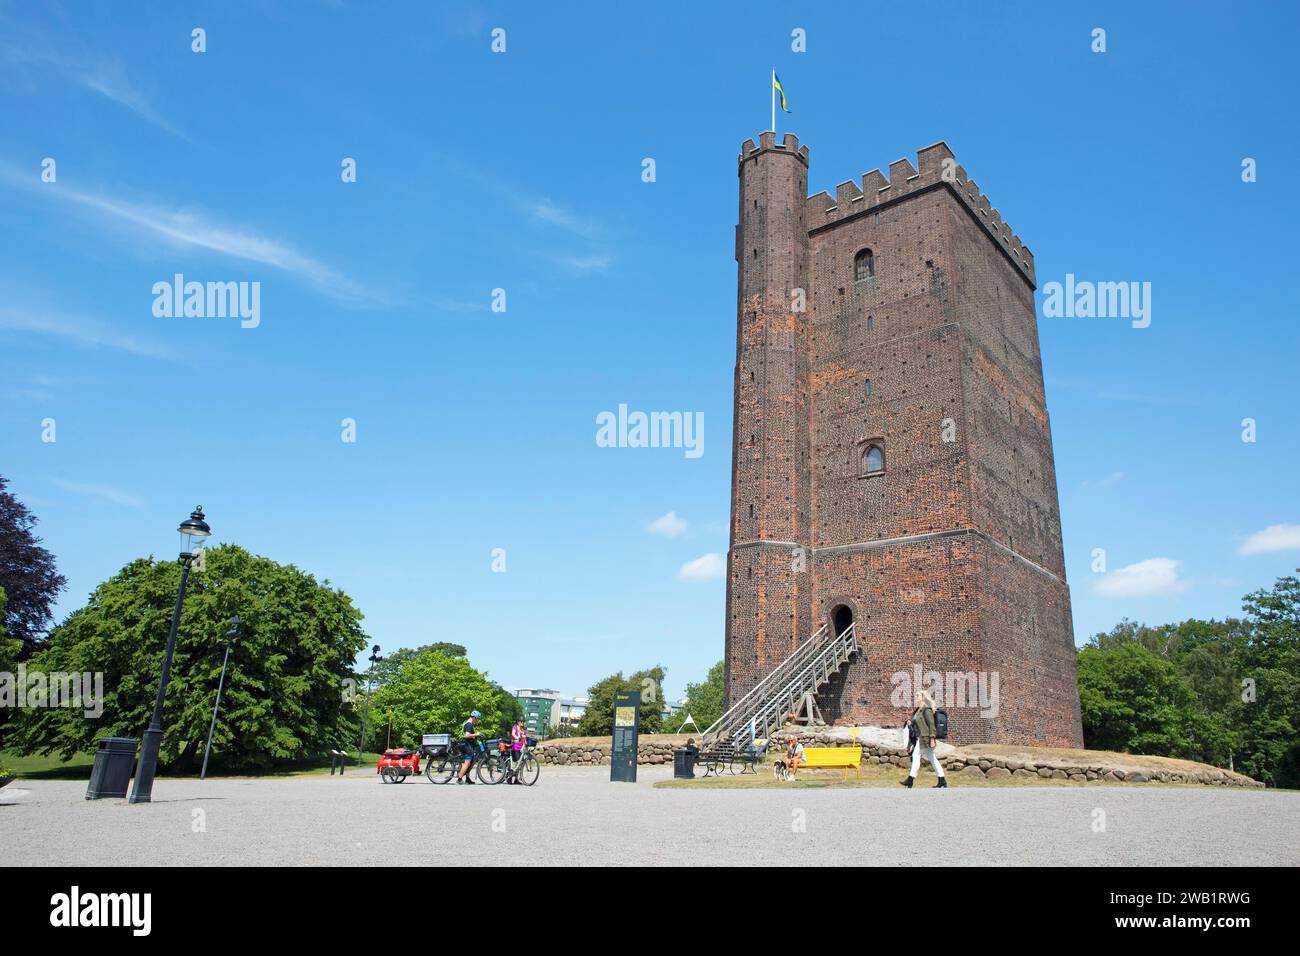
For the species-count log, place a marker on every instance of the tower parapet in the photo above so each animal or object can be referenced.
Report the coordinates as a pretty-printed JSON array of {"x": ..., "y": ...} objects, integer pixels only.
[
  {"x": 936, "y": 167},
  {"x": 767, "y": 141}
]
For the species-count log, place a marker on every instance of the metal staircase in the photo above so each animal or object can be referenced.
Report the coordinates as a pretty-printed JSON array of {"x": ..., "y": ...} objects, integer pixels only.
[{"x": 777, "y": 696}]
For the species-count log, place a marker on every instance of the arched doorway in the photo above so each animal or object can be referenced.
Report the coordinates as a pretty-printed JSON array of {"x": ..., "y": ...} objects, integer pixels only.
[
  {"x": 832, "y": 699},
  {"x": 841, "y": 618}
]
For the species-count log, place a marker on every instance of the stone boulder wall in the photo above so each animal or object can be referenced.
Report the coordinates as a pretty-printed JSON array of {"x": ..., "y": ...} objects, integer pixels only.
[
  {"x": 594, "y": 751},
  {"x": 997, "y": 762},
  {"x": 884, "y": 746}
]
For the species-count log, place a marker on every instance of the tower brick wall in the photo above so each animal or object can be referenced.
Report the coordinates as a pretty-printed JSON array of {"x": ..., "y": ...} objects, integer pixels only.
[
  {"x": 949, "y": 559},
  {"x": 771, "y": 479}
]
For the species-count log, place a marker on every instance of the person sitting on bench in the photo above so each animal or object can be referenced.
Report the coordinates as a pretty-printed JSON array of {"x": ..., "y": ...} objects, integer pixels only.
[{"x": 794, "y": 758}]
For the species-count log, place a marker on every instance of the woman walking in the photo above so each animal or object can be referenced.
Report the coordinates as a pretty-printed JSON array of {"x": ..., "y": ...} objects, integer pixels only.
[{"x": 922, "y": 720}]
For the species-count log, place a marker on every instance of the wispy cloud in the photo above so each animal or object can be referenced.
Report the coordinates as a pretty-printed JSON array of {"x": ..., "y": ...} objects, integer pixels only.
[
  {"x": 668, "y": 525},
  {"x": 545, "y": 211},
  {"x": 532, "y": 203},
  {"x": 103, "y": 492},
  {"x": 29, "y": 388},
  {"x": 109, "y": 80},
  {"x": 1114, "y": 478},
  {"x": 704, "y": 568},
  {"x": 1154, "y": 577},
  {"x": 1276, "y": 537},
  {"x": 82, "y": 331},
  {"x": 584, "y": 264},
  {"x": 190, "y": 228},
  {"x": 30, "y": 52},
  {"x": 447, "y": 304},
  {"x": 1142, "y": 398}
]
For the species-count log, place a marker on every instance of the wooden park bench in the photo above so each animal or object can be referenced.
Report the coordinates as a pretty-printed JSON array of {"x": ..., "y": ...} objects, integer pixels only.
[{"x": 830, "y": 758}]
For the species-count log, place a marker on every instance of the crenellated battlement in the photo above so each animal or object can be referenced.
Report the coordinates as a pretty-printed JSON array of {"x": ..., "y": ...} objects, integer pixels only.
[
  {"x": 934, "y": 165},
  {"x": 767, "y": 143}
]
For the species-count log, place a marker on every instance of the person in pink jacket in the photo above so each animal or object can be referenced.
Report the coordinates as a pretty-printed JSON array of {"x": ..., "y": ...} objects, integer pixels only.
[{"x": 518, "y": 737}]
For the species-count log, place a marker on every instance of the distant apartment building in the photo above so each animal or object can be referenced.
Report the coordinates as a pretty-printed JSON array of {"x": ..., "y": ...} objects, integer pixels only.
[
  {"x": 572, "y": 709},
  {"x": 542, "y": 710}
]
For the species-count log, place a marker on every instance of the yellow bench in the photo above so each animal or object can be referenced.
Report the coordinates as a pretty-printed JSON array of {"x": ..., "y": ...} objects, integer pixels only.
[{"x": 829, "y": 758}]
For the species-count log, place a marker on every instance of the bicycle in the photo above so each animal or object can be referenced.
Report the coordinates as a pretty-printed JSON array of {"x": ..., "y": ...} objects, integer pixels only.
[
  {"x": 445, "y": 765},
  {"x": 500, "y": 766}
]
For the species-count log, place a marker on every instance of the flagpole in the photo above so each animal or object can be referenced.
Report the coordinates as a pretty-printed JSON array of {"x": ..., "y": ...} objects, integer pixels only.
[{"x": 773, "y": 101}]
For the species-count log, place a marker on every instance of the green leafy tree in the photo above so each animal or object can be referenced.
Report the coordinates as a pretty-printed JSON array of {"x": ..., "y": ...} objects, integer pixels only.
[
  {"x": 1269, "y": 668},
  {"x": 1210, "y": 670},
  {"x": 9, "y": 647},
  {"x": 1204, "y": 655},
  {"x": 510, "y": 709},
  {"x": 390, "y": 666},
  {"x": 387, "y": 669},
  {"x": 9, "y": 652},
  {"x": 433, "y": 693},
  {"x": 27, "y": 574},
  {"x": 598, "y": 720},
  {"x": 704, "y": 701},
  {"x": 1136, "y": 702},
  {"x": 285, "y": 695},
  {"x": 1243, "y": 675}
]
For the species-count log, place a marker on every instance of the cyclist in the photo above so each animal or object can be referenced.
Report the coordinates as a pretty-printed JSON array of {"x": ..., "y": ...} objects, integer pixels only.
[
  {"x": 469, "y": 746},
  {"x": 518, "y": 738}
]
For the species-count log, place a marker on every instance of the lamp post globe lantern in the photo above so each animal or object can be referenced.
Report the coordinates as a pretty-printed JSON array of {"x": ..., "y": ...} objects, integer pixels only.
[
  {"x": 375, "y": 658},
  {"x": 231, "y": 634},
  {"x": 194, "y": 532}
]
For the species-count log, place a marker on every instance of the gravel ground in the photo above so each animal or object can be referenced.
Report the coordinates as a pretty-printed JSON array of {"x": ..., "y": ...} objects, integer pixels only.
[{"x": 576, "y": 816}]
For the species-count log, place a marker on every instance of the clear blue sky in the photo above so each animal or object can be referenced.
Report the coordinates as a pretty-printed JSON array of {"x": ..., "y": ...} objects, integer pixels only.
[{"x": 522, "y": 170}]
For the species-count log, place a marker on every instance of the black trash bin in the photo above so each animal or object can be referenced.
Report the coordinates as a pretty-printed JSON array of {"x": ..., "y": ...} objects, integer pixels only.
[
  {"x": 684, "y": 763},
  {"x": 114, "y": 761}
]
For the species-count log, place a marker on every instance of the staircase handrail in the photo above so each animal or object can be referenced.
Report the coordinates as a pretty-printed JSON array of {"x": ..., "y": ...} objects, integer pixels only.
[
  {"x": 803, "y": 648},
  {"x": 799, "y": 682},
  {"x": 790, "y": 675}
]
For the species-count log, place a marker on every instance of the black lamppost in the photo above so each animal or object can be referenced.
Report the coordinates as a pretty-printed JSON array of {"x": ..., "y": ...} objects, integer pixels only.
[
  {"x": 375, "y": 658},
  {"x": 194, "y": 535},
  {"x": 234, "y": 630}
]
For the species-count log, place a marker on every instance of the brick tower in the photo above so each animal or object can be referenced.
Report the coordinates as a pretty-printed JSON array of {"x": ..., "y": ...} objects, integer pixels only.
[{"x": 892, "y": 458}]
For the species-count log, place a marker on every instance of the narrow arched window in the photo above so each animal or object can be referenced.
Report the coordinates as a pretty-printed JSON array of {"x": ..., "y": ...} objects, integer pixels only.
[
  {"x": 864, "y": 265},
  {"x": 873, "y": 460}
]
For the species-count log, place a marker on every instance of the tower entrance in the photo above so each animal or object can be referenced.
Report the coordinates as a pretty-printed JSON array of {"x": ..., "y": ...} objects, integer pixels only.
[{"x": 841, "y": 618}]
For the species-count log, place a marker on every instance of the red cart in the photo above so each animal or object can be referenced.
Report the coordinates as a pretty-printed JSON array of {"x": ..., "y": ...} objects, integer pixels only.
[{"x": 396, "y": 765}]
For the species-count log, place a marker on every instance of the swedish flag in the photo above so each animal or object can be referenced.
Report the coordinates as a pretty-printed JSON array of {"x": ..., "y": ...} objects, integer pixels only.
[{"x": 776, "y": 85}]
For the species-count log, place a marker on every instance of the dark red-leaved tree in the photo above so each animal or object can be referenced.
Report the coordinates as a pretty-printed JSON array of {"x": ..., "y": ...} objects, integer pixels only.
[{"x": 27, "y": 573}]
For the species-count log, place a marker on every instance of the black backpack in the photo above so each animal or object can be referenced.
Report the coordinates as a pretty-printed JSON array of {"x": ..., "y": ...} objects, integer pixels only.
[{"x": 941, "y": 724}]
